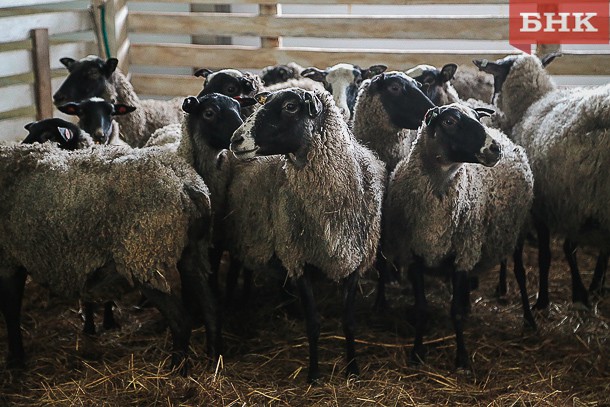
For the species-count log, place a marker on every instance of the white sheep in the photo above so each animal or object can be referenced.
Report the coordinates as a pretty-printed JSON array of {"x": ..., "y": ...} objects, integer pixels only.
[
  {"x": 566, "y": 134},
  {"x": 446, "y": 211},
  {"x": 321, "y": 207},
  {"x": 111, "y": 219},
  {"x": 93, "y": 77}
]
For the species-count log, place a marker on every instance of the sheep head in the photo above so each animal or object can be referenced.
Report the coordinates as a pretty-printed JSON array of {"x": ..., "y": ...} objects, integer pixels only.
[
  {"x": 95, "y": 116},
  {"x": 402, "y": 98},
  {"x": 54, "y": 130},
  {"x": 432, "y": 78},
  {"x": 229, "y": 82},
  {"x": 458, "y": 136},
  {"x": 87, "y": 78},
  {"x": 276, "y": 74},
  {"x": 214, "y": 117},
  {"x": 284, "y": 124}
]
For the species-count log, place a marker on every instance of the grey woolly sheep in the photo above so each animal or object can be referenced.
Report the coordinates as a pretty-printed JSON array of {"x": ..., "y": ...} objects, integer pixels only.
[
  {"x": 444, "y": 210},
  {"x": 66, "y": 135},
  {"x": 110, "y": 220},
  {"x": 167, "y": 136},
  {"x": 342, "y": 81},
  {"x": 566, "y": 133},
  {"x": 93, "y": 77},
  {"x": 323, "y": 210},
  {"x": 469, "y": 83}
]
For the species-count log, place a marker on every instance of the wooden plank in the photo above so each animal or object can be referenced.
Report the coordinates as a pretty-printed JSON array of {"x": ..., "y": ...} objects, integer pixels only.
[
  {"x": 23, "y": 3},
  {"x": 212, "y": 56},
  {"x": 168, "y": 85},
  {"x": 17, "y": 28},
  {"x": 336, "y": 2},
  {"x": 41, "y": 66},
  {"x": 19, "y": 112},
  {"x": 28, "y": 78},
  {"x": 397, "y": 27},
  {"x": 271, "y": 12}
]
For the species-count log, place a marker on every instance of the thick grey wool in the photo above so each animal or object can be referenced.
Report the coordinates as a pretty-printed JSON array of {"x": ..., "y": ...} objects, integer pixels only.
[
  {"x": 326, "y": 214},
  {"x": 566, "y": 133},
  {"x": 128, "y": 210},
  {"x": 373, "y": 128},
  {"x": 477, "y": 216},
  {"x": 470, "y": 83},
  {"x": 150, "y": 114},
  {"x": 167, "y": 136}
]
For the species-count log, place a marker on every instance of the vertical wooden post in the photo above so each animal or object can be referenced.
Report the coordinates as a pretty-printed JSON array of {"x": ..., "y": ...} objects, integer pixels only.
[
  {"x": 42, "y": 73},
  {"x": 270, "y": 10}
]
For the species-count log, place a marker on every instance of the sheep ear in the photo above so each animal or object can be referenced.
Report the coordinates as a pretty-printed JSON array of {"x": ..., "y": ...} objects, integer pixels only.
[
  {"x": 248, "y": 84},
  {"x": 246, "y": 101},
  {"x": 314, "y": 74},
  {"x": 70, "y": 108},
  {"x": 313, "y": 103},
  {"x": 202, "y": 72},
  {"x": 110, "y": 66},
  {"x": 65, "y": 133},
  {"x": 121, "y": 109},
  {"x": 548, "y": 58},
  {"x": 373, "y": 70},
  {"x": 431, "y": 116},
  {"x": 190, "y": 104},
  {"x": 448, "y": 71},
  {"x": 27, "y": 126},
  {"x": 483, "y": 112},
  {"x": 377, "y": 80},
  {"x": 67, "y": 62},
  {"x": 262, "y": 97}
]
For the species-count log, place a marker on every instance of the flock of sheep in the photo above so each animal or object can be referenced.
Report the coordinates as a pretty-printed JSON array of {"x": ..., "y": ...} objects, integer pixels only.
[{"x": 340, "y": 171}]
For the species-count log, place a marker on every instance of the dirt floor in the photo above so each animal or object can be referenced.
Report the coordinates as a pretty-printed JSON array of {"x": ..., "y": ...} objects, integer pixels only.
[{"x": 564, "y": 363}]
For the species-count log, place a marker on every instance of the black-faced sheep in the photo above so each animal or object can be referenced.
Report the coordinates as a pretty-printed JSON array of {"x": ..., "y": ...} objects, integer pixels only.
[
  {"x": 93, "y": 77},
  {"x": 322, "y": 207},
  {"x": 139, "y": 218},
  {"x": 566, "y": 133},
  {"x": 65, "y": 134},
  {"x": 342, "y": 81},
  {"x": 446, "y": 209}
]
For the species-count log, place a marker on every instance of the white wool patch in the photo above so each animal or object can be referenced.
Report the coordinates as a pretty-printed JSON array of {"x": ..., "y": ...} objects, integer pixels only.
[
  {"x": 419, "y": 70},
  {"x": 246, "y": 147},
  {"x": 340, "y": 77}
]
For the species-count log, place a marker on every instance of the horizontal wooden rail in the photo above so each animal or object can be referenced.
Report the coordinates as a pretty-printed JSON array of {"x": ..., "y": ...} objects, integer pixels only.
[
  {"x": 16, "y": 27},
  {"x": 168, "y": 85},
  {"x": 213, "y": 56},
  {"x": 28, "y": 78},
  {"x": 405, "y": 27},
  {"x": 333, "y": 2},
  {"x": 26, "y": 111}
]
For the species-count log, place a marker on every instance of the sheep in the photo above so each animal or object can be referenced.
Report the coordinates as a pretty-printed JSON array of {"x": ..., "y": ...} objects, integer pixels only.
[
  {"x": 388, "y": 110},
  {"x": 565, "y": 132},
  {"x": 93, "y": 77},
  {"x": 445, "y": 210},
  {"x": 232, "y": 83},
  {"x": 168, "y": 137},
  {"x": 95, "y": 116},
  {"x": 271, "y": 75},
  {"x": 342, "y": 81},
  {"x": 469, "y": 83},
  {"x": 111, "y": 219},
  {"x": 320, "y": 209},
  {"x": 66, "y": 135}
]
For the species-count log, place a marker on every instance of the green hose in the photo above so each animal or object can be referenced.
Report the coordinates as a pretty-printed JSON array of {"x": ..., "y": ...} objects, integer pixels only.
[{"x": 104, "y": 32}]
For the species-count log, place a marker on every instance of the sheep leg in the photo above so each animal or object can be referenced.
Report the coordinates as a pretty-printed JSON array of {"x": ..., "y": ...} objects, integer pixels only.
[
  {"x": 599, "y": 275},
  {"x": 312, "y": 323},
  {"x": 458, "y": 314},
  {"x": 502, "y": 287},
  {"x": 109, "y": 321},
  {"x": 11, "y": 296},
  {"x": 88, "y": 318},
  {"x": 349, "y": 324},
  {"x": 232, "y": 279},
  {"x": 519, "y": 271},
  {"x": 579, "y": 292},
  {"x": 416, "y": 276},
  {"x": 544, "y": 264},
  {"x": 215, "y": 256},
  {"x": 175, "y": 314},
  {"x": 381, "y": 303}
]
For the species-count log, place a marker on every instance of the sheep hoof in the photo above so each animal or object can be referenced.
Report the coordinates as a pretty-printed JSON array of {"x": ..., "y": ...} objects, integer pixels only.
[
  {"x": 179, "y": 364},
  {"x": 89, "y": 328},
  {"x": 417, "y": 357},
  {"x": 352, "y": 370},
  {"x": 313, "y": 378},
  {"x": 541, "y": 304},
  {"x": 462, "y": 364},
  {"x": 15, "y": 362}
]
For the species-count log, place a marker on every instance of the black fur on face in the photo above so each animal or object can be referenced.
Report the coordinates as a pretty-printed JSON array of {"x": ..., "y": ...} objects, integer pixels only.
[
  {"x": 461, "y": 137},
  {"x": 214, "y": 117},
  {"x": 87, "y": 79},
  {"x": 498, "y": 69},
  {"x": 402, "y": 99},
  {"x": 95, "y": 116},
  {"x": 56, "y": 130},
  {"x": 228, "y": 85},
  {"x": 433, "y": 80},
  {"x": 286, "y": 122},
  {"x": 276, "y": 74}
]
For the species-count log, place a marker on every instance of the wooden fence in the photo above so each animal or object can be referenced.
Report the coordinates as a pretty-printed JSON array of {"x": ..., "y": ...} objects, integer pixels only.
[{"x": 270, "y": 25}]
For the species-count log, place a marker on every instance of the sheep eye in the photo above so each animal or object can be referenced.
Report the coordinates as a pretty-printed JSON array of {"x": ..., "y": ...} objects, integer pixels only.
[
  {"x": 449, "y": 121},
  {"x": 93, "y": 73},
  {"x": 209, "y": 114},
  {"x": 231, "y": 89},
  {"x": 291, "y": 107},
  {"x": 394, "y": 88}
]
